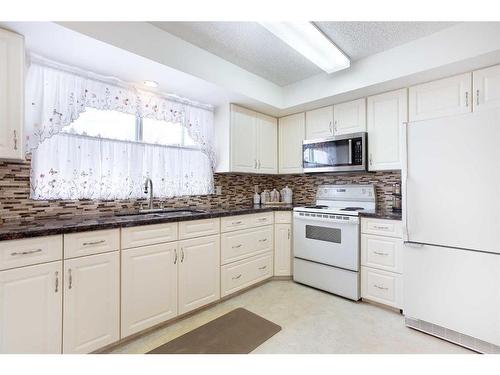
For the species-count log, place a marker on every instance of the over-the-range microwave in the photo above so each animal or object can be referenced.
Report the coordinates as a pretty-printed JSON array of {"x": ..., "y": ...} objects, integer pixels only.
[{"x": 343, "y": 153}]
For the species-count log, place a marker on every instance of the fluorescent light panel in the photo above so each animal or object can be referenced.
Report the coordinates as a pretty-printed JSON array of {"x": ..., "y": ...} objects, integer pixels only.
[{"x": 306, "y": 39}]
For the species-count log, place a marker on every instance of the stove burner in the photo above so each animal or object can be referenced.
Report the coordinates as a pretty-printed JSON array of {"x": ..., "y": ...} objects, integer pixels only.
[
  {"x": 352, "y": 209},
  {"x": 317, "y": 206}
]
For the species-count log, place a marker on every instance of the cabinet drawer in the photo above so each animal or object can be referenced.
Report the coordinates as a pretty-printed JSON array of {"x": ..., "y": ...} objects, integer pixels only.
[
  {"x": 381, "y": 286},
  {"x": 381, "y": 227},
  {"x": 282, "y": 217},
  {"x": 148, "y": 235},
  {"x": 241, "y": 244},
  {"x": 92, "y": 242},
  {"x": 24, "y": 252},
  {"x": 239, "y": 275},
  {"x": 381, "y": 252},
  {"x": 231, "y": 223},
  {"x": 265, "y": 218},
  {"x": 198, "y": 228}
]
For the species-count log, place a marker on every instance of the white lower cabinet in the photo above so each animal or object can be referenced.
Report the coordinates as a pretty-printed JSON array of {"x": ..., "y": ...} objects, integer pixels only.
[
  {"x": 381, "y": 286},
  {"x": 283, "y": 250},
  {"x": 199, "y": 272},
  {"x": 31, "y": 309},
  {"x": 91, "y": 302},
  {"x": 148, "y": 286}
]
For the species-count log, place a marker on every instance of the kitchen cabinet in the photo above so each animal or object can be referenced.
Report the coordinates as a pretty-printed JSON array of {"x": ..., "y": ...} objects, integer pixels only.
[
  {"x": 31, "y": 309},
  {"x": 253, "y": 141},
  {"x": 319, "y": 123},
  {"x": 349, "y": 117},
  {"x": 283, "y": 250},
  {"x": 386, "y": 115},
  {"x": 11, "y": 95},
  {"x": 486, "y": 88},
  {"x": 199, "y": 272},
  {"x": 291, "y": 135},
  {"x": 441, "y": 98},
  {"x": 148, "y": 286},
  {"x": 241, "y": 244},
  {"x": 91, "y": 318}
]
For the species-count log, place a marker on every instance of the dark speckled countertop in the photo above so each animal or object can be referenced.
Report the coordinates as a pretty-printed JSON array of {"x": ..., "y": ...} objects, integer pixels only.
[{"x": 51, "y": 226}]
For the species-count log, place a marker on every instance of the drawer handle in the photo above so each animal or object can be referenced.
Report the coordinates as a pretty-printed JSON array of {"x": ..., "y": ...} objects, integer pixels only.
[
  {"x": 263, "y": 240},
  {"x": 237, "y": 246},
  {"x": 70, "y": 276},
  {"x": 25, "y": 252},
  {"x": 379, "y": 253},
  {"x": 380, "y": 287},
  {"x": 237, "y": 277},
  {"x": 93, "y": 243},
  {"x": 57, "y": 282},
  {"x": 262, "y": 268},
  {"x": 236, "y": 222},
  {"x": 263, "y": 219},
  {"x": 380, "y": 227}
]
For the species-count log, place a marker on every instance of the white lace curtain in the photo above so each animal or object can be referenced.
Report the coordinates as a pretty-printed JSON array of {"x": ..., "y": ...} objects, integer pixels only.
[{"x": 66, "y": 166}]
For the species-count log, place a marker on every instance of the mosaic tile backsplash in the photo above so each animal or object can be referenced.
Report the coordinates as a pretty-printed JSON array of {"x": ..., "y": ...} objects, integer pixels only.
[{"x": 237, "y": 189}]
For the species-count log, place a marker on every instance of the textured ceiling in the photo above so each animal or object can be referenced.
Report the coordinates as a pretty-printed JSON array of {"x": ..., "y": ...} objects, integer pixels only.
[{"x": 250, "y": 46}]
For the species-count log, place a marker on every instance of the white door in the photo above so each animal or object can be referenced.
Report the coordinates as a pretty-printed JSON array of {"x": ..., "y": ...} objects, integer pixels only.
[
  {"x": 199, "y": 272},
  {"x": 149, "y": 286},
  {"x": 291, "y": 135},
  {"x": 243, "y": 140},
  {"x": 349, "y": 117},
  {"x": 91, "y": 302},
  {"x": 31, "y": 309},
  {"x": 442, "y": 98},
  {"x": 319, "y": 123},
  {"x": 282, "y": 249},
  {"x": 486, "y": 88},
  {"x": 11, "y": 95},
  {"x": 267, "y": 144},
  {"x": 387, "y": 114}
]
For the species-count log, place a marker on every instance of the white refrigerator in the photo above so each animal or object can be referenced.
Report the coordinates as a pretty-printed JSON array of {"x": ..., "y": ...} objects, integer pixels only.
[{"x": 451, "y": 278}]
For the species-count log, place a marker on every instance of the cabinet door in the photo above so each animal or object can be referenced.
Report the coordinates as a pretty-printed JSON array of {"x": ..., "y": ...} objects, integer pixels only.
[
  {"x": 291, "y": 135},
  {"x": 243, "y": 140},
  {"x": 386, "y": 115},
  {"x": 91, "y": 302},
  {"x": 31, "y": 309},
  {"x": 319, "y": 123},
  {"x": 267, "y": 144},
  {"x": 486, "y": 88},
  {"x": 349, "y": 117},
  {"x": 199, "y": 272},
  {"x": 149, "y": 286},
  {"x": 283, "y": 250},
  {"x": 11, "y": 95},
  {"x": 442, "y": 98}
]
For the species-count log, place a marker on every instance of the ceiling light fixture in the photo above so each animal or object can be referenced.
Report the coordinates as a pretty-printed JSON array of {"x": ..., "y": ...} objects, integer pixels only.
[
  {"x": 310, "y": 42},
  {"x": 150, "y": 83}
]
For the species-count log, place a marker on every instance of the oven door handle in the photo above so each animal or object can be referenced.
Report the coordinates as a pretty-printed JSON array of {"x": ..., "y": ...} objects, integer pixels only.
[
  {"x": 304, "y": 220},
  {"x": 350, "y": 152}
]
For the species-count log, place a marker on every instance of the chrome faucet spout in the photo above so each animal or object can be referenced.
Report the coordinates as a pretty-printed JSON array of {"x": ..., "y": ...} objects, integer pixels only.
[{"x": 148, "y": 187}]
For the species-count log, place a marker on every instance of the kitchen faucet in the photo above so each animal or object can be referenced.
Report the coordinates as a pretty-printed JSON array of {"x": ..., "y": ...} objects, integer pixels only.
[{"x": 150, "y": 189}]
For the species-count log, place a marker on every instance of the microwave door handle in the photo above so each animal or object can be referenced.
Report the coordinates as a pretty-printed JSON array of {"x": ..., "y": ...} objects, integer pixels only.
[{"x": 350, "y": 151}]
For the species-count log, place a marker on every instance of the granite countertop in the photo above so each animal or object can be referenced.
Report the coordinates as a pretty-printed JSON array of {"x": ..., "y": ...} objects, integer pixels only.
[{"x": 60, "y": 225}]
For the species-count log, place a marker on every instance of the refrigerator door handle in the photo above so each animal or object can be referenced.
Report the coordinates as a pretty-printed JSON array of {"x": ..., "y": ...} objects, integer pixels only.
[{"x": 413, "y": 244}]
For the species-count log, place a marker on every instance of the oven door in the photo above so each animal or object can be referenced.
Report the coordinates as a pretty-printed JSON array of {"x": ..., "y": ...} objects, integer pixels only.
[
  {"x": 335, "y": 154},
  {"x": 327, "y": 239}
]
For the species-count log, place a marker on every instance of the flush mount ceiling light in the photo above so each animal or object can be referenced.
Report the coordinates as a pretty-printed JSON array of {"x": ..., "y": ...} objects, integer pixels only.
[
  {"x": 310, "y": 42},
  {"x": 150, "y": 83}
]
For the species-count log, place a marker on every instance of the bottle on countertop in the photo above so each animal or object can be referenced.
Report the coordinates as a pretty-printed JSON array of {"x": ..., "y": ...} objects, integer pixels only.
[
  {"x": 286, "y": 195},
  {"x": 256, "y": 196},
  {"x": 265, "y": 197},
  {"x": 275, "y": 196}
]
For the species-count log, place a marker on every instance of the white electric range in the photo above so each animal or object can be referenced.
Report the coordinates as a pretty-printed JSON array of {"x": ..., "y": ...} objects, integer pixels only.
[{"x": 326, "y": 239}]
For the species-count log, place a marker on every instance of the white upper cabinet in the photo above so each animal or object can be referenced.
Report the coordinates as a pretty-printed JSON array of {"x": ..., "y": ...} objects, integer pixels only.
[
  {"x": 253, "y": 141},
  {"x": 319, "y": 123},
  {"x": 291, "y": 135},
  {"x": 31, "y": 309},
  {"x": 199, "y": 272},
  {"x": 349, "y": 117},
  {"x": 486, "y": 88},
  {"x": 267, "y": 144},
  {"x": 91, "y": 316},
  {"x": 11, "y": 95},
  {"x": 442, "y": 98},
  {"x": 386, "y": 115}
]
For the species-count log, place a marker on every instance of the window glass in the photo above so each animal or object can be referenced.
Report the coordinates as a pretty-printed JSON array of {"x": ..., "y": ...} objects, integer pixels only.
[
  {"x": 161, "y": 132},
  {"x": 106, "y": 124}
]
